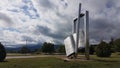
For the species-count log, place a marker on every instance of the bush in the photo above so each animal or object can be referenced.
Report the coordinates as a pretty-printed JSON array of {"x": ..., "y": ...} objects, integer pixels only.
[
  {"x": 103, "y": 49},
  {"x": 111, "y": 43},
  {"x": 2, "y": 52},
  {"x": 48, "y": 48},
  {"x": 117, "y": 45},
  {"x": 61, "y": 49},
  {"x": 24, "y": 50},
  {"x": 92, "y": 49}
]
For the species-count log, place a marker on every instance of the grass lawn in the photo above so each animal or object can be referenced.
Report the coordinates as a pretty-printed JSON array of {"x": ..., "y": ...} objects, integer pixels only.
[
  {"x": 52, "y": 62},
  {"x": 17, "y": 54}
]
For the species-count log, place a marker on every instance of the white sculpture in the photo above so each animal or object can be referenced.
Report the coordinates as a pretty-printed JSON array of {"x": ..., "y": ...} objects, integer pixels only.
[{"x": 80, "y": 36}]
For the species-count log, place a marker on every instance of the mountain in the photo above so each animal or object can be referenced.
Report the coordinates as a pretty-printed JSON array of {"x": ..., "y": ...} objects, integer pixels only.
[
  {"x": 16, "y": 48},
  {"x": 32, "y": 47}
]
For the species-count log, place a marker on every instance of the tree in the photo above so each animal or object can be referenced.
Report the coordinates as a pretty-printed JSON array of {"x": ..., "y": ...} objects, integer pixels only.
[
  {"x": 61, "y": 49},
  {"x": 48, "y": 47},
  {"x": 103, "y": 49},
  {"x": 2, "y": 52},
  {"x": 81, "y": 50},
  {"x": 117, "y": 45},
  {"x": 111, "y": 43},
  {"x": 24, "y": 50},
  {"x": 92, "y": 49}
]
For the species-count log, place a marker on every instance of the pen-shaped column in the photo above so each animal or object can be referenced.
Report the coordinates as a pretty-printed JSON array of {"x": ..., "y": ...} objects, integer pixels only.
[
  {"x": 86, "y": 27},
  {"x": 77, "y": 31}
]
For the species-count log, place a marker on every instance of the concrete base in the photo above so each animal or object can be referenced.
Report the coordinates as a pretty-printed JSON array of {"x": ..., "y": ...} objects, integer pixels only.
[{"x": 79, "y": 58}]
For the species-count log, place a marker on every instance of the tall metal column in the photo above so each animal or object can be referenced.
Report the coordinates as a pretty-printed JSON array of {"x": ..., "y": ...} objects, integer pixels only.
[
  {"x": 77, "y": 31},
  {"x": 86, "y": 26}
]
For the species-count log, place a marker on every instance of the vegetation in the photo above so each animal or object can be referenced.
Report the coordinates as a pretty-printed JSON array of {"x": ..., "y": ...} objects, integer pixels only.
[
  {"x": 111, "y": 43},
  {"x": 61, "y": 49},
  {"x": 48, "y": 47},
  {"x": 103, "y": 49},
  {"x": 24, "y": 50},
  {"x": 2, "y": 52},
  {"x": 92, "y": 49},
  {"x": 91, "y": 52},
  {"x": 52, "y": 62},
  {"x": 114, "y": 46},
  {"x": 117, "y": 45}
]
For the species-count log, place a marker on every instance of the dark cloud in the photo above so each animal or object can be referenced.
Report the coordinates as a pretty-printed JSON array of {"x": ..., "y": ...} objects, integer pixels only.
[
  {"x": 27, "y": 38},
  {"x": 64, "y": 3},
  {"x": 103, "y": 29},
  {"x": 42, "y": 30},
  {"x": 7, "y": 19},
  {"x": 47, "y": 4},
  {"x": 58, "y": 35},
  {"x": 110, "y": 4},
  {"x": 48, "y": 32}
]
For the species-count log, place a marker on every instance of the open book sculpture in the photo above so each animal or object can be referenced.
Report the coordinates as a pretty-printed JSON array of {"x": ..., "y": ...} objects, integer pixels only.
[{"x": 80, "y": 34}]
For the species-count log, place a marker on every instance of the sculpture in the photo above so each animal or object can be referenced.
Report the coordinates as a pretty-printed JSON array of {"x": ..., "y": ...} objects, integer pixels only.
[{"x": 80, "y": 35}]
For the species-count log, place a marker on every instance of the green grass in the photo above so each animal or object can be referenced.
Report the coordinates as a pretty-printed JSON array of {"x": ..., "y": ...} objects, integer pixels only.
[
  {"x": 52, "y": 62},
  {"x": 17, "y": 54}
]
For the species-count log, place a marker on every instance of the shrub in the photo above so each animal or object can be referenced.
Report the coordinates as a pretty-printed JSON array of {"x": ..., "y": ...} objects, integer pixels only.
[
  {"x": 92, "y": 49},
  {"x": 61, "y": 49},
  {"x": 117, "y": 45},
  {"x": 24, "y": 50},
  {"x": 2, "y": 52},
  {"x": 48, "y": 47},
  {"x": 103, "y": 49}
]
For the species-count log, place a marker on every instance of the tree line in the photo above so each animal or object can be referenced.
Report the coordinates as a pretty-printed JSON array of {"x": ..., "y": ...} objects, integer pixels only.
[{"x": 47, "y": 48}]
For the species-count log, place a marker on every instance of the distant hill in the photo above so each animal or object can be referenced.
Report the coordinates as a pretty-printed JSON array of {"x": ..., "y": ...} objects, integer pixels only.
[{"x": 16, "y": 48}]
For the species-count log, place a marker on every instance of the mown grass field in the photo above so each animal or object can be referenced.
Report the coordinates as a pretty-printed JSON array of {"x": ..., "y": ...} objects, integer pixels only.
[{"x": 52, "y": 62}]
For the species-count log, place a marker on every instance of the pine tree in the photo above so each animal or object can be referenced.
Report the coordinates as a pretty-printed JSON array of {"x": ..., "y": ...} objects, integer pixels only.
[{"x": 2, "y": 53}]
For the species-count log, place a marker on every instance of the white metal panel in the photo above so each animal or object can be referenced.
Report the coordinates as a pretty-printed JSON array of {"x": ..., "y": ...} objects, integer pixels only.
[
  {"x": 69, "y": 45},
  {"x": 81, "y": 39}
]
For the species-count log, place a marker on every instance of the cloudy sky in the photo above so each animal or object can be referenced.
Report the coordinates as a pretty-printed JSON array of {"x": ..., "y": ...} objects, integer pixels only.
[{"x": 51, "y": 20}]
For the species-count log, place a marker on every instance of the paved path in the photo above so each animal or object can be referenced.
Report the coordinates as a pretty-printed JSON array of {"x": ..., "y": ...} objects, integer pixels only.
[
  {"x": 11, "y": 57},
  {"x": 35, "y": 56}
]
